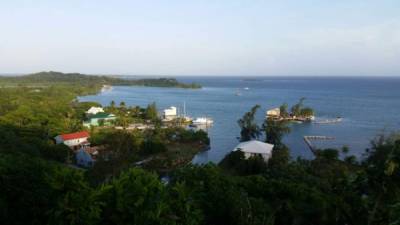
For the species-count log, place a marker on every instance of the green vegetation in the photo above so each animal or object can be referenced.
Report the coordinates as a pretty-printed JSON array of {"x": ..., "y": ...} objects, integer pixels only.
[
  {"x": 274, "y": 131},
  {"x": 151, "y": 112},
  {"x": 158, "y": 149},
  {"x": 249, "y": 128},
  {"x": 50, "y": 78},
  {"x": 297, "y": 111}
]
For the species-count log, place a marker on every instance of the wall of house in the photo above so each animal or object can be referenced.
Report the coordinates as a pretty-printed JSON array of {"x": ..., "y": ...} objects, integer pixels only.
[
  {"x": 59, "y": 140},
  {"x": 75, "y": 142}
]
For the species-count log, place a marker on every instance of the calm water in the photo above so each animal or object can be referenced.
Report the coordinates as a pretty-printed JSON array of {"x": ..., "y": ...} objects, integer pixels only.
[{"x": 367, "y": 105}]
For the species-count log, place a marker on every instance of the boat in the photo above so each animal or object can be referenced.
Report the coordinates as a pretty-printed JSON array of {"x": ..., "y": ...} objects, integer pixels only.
[
  {"x": 106, "y": 88},
  {"x": 329, "y": 121},
  {"x": 202, "y": 121},
  {"x": 246, "y": 88},
  {"x": 238, "y": 93}
]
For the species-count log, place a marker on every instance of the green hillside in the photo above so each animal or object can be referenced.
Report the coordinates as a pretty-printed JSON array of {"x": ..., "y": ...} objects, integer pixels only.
[{"x": 48, "y": 78}]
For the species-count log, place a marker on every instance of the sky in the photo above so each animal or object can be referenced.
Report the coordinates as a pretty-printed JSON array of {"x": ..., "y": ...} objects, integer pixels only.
[{"x": 201, "y": 37}]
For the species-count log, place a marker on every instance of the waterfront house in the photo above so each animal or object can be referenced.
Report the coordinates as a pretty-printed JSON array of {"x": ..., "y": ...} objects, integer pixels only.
[
  {"x": 255, "y": 148},
  {"x": 98, "y": 119},
  {"x": 74, "y": 140},
  {"x": 83, "y": 158},
  {"x": 275, "y": 112},
  {"x": 170, "y": 113},
  {"x": 94, "y": 110}
]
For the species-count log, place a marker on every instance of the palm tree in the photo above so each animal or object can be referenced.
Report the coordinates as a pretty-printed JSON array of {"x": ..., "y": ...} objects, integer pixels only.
[
  {"x": 122, "y": 104},
  {"x": 283, "y": 110},
  {"x": 296, "y": 109},
  {"x": 274, "y": 131},
  {"x": 112, "y": 104},
  {"x": 249, "y": 128}
]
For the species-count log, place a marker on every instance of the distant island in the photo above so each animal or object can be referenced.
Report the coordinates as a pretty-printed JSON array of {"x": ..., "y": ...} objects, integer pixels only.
[{"x": 51, "y": 77}]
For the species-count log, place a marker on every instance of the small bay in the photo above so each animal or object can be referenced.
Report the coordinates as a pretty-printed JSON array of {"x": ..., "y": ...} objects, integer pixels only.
[{"x": 367, "y": 105}]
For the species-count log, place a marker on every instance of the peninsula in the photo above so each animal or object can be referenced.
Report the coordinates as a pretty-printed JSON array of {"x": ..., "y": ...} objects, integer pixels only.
[{"x": 51, "y": 77}]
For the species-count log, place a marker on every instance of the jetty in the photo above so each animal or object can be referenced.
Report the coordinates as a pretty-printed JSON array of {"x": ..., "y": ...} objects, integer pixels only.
[{"x": 309, "y": 139}]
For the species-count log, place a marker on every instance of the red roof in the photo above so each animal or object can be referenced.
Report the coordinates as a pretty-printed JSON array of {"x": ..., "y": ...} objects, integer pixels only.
[{"x": 76, "y": 135}]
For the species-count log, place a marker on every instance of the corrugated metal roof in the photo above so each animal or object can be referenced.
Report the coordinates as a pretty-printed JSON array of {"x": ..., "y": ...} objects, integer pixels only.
[{"x": 76, "y": 135}]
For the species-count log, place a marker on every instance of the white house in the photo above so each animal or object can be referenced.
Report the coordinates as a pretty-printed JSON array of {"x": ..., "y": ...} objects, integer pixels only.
[
  {"x": 94, "y": 110},
  {"x": 83, "y": 158},
  {"x": 170, "y": 113},
  {"x": 73, "y": 140},
  {"x": 254, "y": 147},
  {"x": 275, "y": 112}
]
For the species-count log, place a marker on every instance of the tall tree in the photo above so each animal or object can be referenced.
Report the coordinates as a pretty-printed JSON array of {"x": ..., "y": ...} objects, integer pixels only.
[
  {"x": 122, "y": 104},
  {"x": 274, "y": 131},
  {"x": 151, "y": 112},
  {"x": 112, "y": 104},
  {"x": 382, "y": 168},
  {"x": 296, "y": 109},
  {"x": 284, "y": 110},
  {"x": 249, "y": 128}
]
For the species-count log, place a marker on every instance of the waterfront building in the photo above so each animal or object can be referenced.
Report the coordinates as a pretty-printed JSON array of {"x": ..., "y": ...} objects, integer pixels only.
[
  {"x": 170, "y": 113},
  {"x": 275, "y": 112}
]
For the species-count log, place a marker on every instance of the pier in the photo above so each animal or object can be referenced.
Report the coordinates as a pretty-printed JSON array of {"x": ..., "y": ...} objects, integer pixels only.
[{"x": 308, "y": 140}]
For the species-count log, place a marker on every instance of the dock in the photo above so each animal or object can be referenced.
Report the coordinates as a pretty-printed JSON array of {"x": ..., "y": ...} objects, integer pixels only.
[{"x": 309, "y": 139}]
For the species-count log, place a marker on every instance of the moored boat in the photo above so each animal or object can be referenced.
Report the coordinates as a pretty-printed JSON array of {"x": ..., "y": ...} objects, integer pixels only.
[
  {"x": 328, "y": 121},
  {"x": 202, "y": 120}
]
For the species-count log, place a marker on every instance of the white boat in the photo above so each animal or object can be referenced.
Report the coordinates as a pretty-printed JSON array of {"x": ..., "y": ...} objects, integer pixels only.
[
  {"x": 202, "y": 120},
  {"x": 246, "y": 88},
  {"x": 106, "y": 88},
  {"x": 329, "y": 121}
]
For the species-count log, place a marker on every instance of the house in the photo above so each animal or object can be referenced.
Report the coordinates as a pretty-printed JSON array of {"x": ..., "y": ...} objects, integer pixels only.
[
  {"x": 254, "y": 148},
  {"x": 94, "y": 110},
  {"x": 83, "y": 158},
  {"x": 170, "y": 113},
  {"x": 98, "y": 119},
  {"x": 73, "y": 140},
  {"x": 275, "y": 112}
]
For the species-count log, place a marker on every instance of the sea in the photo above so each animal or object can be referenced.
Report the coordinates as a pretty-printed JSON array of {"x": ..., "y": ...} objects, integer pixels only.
[{"x": 369, "y": 106}]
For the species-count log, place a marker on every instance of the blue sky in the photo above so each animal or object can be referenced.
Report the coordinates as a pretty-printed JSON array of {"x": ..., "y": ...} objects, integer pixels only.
[{"x": 299, "y": 37}]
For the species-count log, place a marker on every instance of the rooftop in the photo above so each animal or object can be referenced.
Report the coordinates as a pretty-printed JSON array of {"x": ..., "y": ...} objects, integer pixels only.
[
  {"x": 76, "y": 135},
  {"x": 254, "y": 146}
]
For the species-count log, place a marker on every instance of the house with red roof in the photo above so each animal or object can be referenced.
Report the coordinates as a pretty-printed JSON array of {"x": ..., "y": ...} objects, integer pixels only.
[{"x": 74, "y": 140}]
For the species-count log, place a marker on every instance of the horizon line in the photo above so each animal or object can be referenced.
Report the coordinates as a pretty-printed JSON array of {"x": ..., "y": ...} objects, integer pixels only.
[{"x": 200, "y": 75}]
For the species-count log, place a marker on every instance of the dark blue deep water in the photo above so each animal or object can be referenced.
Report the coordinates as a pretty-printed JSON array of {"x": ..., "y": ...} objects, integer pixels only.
[{"x": 368, "y": 106}]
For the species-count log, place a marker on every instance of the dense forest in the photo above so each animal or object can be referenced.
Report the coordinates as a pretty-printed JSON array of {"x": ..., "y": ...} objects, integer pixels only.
[
  {"x": 38, "y": 187},
  {"x": 47, "y": 78}
]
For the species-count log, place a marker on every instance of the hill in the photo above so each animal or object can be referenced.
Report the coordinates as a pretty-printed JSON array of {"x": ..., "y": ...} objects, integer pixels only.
[{"x": 51, "y": 77}]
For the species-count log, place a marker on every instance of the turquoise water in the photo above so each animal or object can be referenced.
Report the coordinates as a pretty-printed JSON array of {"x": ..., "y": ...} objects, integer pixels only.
[{"x": 368, "y": 106}]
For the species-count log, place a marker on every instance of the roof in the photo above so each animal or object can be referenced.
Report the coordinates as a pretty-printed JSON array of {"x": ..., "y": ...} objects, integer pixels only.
[
  {"x": 254, "y": 146},
  {"x": 76, "y": 135},
  {"x": 101, "y": 115},
  {"x": 94, "y": 109}
]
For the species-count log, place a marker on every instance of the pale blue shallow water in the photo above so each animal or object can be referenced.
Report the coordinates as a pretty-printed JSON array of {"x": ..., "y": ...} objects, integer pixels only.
[{"x": 368, "y": 105}]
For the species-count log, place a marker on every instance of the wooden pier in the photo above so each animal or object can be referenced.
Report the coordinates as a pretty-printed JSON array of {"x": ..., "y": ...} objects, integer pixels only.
[{"x": 308, "y": 140}]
